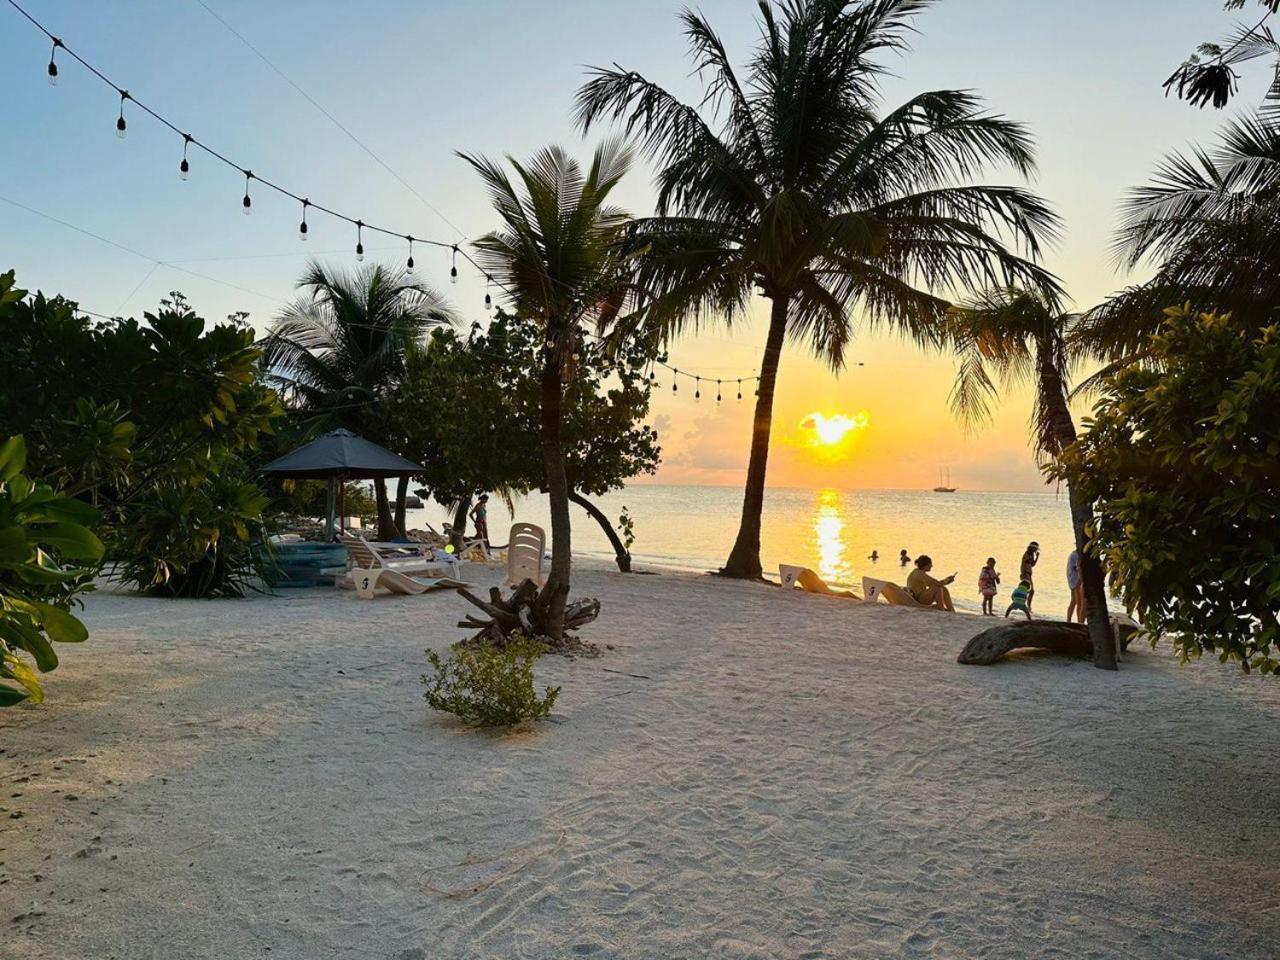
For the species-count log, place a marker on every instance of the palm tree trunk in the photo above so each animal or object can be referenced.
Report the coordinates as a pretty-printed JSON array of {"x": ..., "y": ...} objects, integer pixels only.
[
  {"x": 402, "y": 491},
  {"x": 744, "y": 558},
  {"x": 1054, "y": 396},
  {"x": 386, "y": 525},
  {"x": 622, "y": 555},
  {"x": 555, "y": 593}
]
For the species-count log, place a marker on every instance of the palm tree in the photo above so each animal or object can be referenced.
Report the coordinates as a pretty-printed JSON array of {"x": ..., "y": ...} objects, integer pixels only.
[
  {"x": 338, "y": 351},
  {"x": 791, "y": 183},
  {"x": 1210, "y": 222},
  {"x": 1024, "y": 336},
  {"x": 558, "y": 258}
]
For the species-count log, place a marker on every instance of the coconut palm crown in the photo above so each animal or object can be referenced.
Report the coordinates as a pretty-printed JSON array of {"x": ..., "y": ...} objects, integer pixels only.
[{"x": 789, "y": 180}]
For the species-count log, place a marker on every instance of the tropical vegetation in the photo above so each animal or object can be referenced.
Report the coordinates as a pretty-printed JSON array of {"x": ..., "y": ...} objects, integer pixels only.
[
  {"x": 489, "y": 686},
  {"x": 337, "y": 355},
  {"x": 559, "y": 260},
  {"x": 47, "y": 555},
  {"x": 792, "y": 182},
  {"x": 1180, "y": 459}
]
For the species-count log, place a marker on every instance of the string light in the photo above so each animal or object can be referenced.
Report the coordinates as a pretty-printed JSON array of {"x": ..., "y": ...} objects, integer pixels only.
[
  {"x": 409, "y": 263},
  {"x": 697, "y": 388},
  {"x": 359, "y": 240},
  {"x": 675, "y": 384},
  {"x": 247, "y": 201},
  {"x": 121, "y": 126},
  {"x": 717, "y": 391},
  {"x": 53, "y": 67},
  {"x": 488, "y": 299},
  {"x": 739, "y": 389}
]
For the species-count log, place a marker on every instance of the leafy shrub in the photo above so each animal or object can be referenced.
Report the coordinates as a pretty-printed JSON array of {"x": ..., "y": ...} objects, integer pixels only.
[
  {"x": 205, "y": 540},
  {"x": 489, "y": 686},
  {"x": 1180, "y": 462},
  {"x": 39, "y": 531}
]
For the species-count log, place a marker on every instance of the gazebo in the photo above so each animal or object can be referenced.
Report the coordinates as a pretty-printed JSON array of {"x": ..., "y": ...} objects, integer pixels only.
[{"x": 339, "y": 456}]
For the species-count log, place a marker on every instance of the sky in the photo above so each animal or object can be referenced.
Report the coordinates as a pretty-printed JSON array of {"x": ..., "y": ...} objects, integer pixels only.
[{"x": 415, "y": 82}]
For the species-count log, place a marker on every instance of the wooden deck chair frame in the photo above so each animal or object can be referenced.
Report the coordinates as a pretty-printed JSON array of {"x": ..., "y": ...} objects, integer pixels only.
[{"x": 526, "y": 547}]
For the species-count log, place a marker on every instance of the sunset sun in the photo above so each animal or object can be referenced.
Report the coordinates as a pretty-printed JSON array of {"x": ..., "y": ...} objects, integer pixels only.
[{"x": 829, "y": 431}]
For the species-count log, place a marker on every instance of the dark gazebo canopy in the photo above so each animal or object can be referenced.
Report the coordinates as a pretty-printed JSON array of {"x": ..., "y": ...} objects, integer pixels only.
[{"x": 340, "y": 454}]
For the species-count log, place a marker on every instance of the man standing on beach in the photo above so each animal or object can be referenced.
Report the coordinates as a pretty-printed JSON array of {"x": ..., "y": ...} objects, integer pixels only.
[{"x": 1030, "y": 557}]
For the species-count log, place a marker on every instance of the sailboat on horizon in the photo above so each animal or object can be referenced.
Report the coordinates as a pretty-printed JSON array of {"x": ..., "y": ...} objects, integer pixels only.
[{"x": 944, "y": 487}]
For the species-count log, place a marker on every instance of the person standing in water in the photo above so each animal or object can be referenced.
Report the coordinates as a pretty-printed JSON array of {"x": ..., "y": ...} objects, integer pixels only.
[
  {"x": 480, "y": 517},
  {"x": 903, "y": 559},
  {"x": 1026, "y": 571}
]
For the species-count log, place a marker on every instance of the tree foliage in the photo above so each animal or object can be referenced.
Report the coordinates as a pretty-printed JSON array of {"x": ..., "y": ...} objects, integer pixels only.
[
  {"x": 496, "y": 374},
  {"x": 1209, "y": 75},
  {"x": 144, "y": 419},
  {"x": 47, "y": 553},
  {"x": 790, "y": 179},
  {"x": 1180, "y": 461}
]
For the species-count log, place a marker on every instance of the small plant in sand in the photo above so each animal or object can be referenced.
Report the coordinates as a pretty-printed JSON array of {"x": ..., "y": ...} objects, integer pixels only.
[{"x": 489, "y": 686}]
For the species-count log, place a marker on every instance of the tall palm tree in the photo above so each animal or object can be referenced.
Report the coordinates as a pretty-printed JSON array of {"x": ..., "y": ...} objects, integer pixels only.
[
  {"x": 790, "y": 182},
  {"x": 1210, "y": 223},
  {"x": 1024, "y": 336},
  {"x": 338, "y": 351},
  {"x": 558, "y": 257}
]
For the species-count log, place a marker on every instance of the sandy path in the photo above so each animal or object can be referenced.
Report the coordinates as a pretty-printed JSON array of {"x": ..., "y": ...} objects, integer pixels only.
[{"x": 261, "y": 778}]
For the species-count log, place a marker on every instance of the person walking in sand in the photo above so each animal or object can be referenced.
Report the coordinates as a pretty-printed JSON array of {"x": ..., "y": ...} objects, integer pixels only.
[
  {"x": 1026, "y": 571},
  {"x": 989, "y": 586},
  {"x": 480, "y": 517},
  {"x": 1075, "y": 583},
  {"x": 925, "y": 589}
]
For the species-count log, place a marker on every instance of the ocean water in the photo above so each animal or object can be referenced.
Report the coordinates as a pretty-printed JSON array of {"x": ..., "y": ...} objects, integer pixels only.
[{"x": 832, "y": 531}]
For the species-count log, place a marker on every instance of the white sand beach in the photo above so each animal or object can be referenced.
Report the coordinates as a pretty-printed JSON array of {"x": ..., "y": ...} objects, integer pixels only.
[{"x": 746, "y": 773}]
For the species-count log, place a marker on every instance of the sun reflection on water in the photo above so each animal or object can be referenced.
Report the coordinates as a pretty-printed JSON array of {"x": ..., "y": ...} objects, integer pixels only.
[{"x": 828, "y": 530}]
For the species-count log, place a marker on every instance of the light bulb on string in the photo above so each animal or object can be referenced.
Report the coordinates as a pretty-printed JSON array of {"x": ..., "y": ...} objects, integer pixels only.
[
  {"x": 184, "y": 168},
  {"x": 302, "y": 227},
  {"x": 488, "y": 298},
  {"x": 121, "y": 125},
  {"x": 675, "y": 376},
  {"x": 359, "y": 240},
  {"x": 53, "y": 67},
  {"x": 453, "y": 270},
  {"x": 409, "y": 263},
  {"x": 739, "y": 389},
  {"x": 247, "y": 202},
  {"x": 717, "y": 391},
  {"x": 697, "y": 388}
]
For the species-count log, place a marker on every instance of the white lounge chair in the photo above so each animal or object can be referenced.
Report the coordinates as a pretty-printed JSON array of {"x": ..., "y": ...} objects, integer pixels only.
[
  {"x": 371, "y": 570},
  {"x": 525, "y": 548},
  {"x": 893, "y": 594},
  {"x": 407, "y": 558},
  {"x": 802, "y": 578}
]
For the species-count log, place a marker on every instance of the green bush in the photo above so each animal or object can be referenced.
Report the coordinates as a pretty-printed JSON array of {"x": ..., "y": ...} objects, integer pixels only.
[
  {"x": 206, "y": 540},
  {"x": 1179, "y": 461},
  {"x": 489, "y": 686},
  {"x": 41, "y": 533}
]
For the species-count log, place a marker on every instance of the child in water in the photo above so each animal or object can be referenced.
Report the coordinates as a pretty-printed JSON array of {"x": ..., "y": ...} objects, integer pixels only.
[
  {"x": 903, "y": 559},
  {"x": 1019, "y": 597},
  {"x": 988, "y": 586}
]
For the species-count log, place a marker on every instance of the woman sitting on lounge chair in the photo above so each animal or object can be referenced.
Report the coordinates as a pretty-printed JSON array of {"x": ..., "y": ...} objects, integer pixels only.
[{"x": 926, "y": 590}]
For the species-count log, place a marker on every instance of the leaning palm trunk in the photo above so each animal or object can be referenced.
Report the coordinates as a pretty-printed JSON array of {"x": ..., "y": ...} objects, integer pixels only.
[
  {"x": 744, "y": 558},
  {"x": 555, "y": 594},
  {"x": 1054, "y": 396},
  {"x": 386, "y": 523}
]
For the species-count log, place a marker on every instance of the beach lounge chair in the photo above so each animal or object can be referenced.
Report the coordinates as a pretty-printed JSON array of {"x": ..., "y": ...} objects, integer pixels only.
[
  {"x": 802, "y": 578},
  {"x": 371, "y": 571},
  {"x": 893, "y": 594},
  {"x": 407, "y": 558},
  {"x": 525, "y": 548}
]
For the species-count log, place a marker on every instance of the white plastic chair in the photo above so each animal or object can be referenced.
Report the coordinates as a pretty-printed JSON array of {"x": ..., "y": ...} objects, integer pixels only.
[{"x": 525, "y": 547}]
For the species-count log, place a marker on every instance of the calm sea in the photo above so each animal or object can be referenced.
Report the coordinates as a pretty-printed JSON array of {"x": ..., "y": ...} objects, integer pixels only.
[{"x": 832, "y": 531}]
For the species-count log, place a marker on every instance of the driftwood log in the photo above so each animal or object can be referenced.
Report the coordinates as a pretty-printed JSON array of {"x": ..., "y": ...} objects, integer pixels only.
[
  {"x": 522, "y": 613},
  {"x": 1071, "y": 639}
]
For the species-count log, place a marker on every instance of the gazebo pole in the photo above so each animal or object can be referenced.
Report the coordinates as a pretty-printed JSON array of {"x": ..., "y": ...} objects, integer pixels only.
[
  {"x": 342, "y": 503},
  {"x": 329, "y": 505}
]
